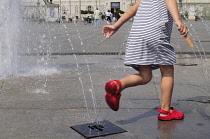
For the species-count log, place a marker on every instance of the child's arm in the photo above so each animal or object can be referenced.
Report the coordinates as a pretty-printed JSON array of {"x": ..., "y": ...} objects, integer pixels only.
[
  {"x": 109, "y": 30},
  {"x": 173, "y": 9}
]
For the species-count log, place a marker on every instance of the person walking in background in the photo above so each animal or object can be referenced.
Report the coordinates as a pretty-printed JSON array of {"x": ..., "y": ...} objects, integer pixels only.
[
  {"x": 103, "y": 16},
  {"x": 196, "y": 15},
  {"x": 97, "y": 14},
  {"x": 70, "y": 18},
  {"x": 109, "y": 17},
  {"x": 148, "y": 48},
  {"x": 89, "y": 18},
  {"x": 75, "y": 18},
  {"x": 117, "y": 15}
]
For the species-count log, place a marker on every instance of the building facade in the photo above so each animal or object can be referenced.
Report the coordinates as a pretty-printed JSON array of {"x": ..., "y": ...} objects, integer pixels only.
[{"x": 66, "y": 8}]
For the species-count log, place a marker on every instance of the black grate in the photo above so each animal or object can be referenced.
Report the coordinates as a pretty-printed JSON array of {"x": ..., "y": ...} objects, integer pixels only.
[
  {"x": 93, "y": 130},
  {"x": 104, "y": 53}
]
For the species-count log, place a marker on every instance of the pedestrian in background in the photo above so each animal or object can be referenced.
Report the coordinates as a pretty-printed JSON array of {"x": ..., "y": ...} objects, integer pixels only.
[
  {"x": 70, "y": 18},
  {"x": 103, "y": 16},
  {"x": 109, "y": 17},
  {"x": 89, "y": 18},
  {"x": 117, "y": 15},
  {"x": 148, "y": 48},
  {"x": 97, "y": 14}
]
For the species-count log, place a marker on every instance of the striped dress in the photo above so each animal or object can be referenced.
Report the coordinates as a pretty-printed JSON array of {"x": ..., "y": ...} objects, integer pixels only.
[{"x": 149, "y": 39}]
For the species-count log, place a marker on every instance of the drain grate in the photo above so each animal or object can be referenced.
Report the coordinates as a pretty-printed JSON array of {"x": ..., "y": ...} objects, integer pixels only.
[
  {"x": 203, "y": 41},
  {"x": 93, "y": 130},
  {"x": 193, "y": 53},
  {"x": 104, "y": 53},
  {"x": 186, "y": 64},
  {"x": 79, "y": 53}
]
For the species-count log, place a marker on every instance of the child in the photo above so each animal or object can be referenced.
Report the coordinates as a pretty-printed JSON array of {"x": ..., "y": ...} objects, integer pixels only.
[{"x": 148, "y": 48}]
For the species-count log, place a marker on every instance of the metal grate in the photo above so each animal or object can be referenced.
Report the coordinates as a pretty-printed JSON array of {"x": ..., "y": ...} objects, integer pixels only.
[
  {"x": 193, "y": 53},
  {"x": 104, "y": 53},
  {"x": 97, "y": 129}
]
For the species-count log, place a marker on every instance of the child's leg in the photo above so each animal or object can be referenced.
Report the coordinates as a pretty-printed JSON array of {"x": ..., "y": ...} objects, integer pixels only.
[
  {"x": 167, "y": 83},
  {"x": 113, "y": 88},
  {"x": 144, "y": 76}
]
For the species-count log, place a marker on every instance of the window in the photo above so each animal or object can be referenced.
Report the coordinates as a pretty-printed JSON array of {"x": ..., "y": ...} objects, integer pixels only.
[
  {"x": 89, "y": 8},
  {"x": 76, "y": 9},
  {"x": 115, "y": 4}
]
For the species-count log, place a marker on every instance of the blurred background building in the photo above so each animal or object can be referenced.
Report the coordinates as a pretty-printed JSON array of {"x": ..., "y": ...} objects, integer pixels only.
[{"x": 56, "y": 10}]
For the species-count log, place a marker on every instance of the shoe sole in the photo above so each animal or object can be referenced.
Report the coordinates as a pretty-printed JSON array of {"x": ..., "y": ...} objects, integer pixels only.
[{"x": 171, "y": 119}]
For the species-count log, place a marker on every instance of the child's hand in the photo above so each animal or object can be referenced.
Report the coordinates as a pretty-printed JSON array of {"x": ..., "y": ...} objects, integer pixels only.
[
  {"x": 108, "y": 30},
  {"x": 182, "y": 28}
]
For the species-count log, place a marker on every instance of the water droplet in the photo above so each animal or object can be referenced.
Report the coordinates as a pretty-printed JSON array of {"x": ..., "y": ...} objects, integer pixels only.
[
  {"x": 64, "y": 26},
  {"x": 40, "y": 91}
]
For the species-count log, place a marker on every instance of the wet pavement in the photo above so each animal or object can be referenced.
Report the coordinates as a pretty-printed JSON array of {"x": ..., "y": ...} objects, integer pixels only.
[{"x": 60, "y": 83}]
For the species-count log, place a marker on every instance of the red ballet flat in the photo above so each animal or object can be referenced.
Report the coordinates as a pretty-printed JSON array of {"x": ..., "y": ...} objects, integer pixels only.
[
  {"x": 174, "y": 115},
  {"x": 113, "y": 95}
]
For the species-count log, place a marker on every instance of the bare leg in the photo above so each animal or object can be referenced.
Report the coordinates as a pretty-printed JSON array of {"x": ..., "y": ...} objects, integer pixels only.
[
  {"x": 144, "y": 76},
  {"x": 167, "y": 83},
  {"x": 112, "y": 98}
]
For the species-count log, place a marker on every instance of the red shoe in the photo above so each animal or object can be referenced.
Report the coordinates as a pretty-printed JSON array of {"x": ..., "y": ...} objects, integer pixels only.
[
  {"x": 174, "y": 115},
  {"x": 113, "y": 95}
]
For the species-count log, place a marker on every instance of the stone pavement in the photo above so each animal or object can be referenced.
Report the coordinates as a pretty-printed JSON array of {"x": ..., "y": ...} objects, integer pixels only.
[{"x": 55, "y": 89}]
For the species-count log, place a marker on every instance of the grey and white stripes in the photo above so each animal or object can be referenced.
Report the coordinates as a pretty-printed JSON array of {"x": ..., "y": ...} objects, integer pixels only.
[{"x": 149, "y": 39}]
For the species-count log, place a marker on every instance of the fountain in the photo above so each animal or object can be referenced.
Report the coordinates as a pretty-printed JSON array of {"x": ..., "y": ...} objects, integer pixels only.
[
  {"x": 9, "y": 30},
  {"x": 31, "y": 48}
]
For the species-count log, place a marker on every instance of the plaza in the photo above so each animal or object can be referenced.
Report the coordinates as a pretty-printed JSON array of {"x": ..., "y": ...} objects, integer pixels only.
[{"x": 61, "y": 72}]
